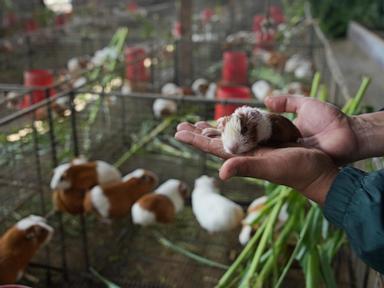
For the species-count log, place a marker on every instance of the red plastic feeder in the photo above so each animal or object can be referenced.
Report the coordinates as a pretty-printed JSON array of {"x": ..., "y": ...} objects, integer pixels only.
[
  {"x": 230, "y": 92},
  {"x": 60, "y": 20},
  {"x": 177, "y": 30},
  {"x": 36, "y": 78},
  {"x": 135, "y": 70},
  {"x": 276, "y": 14},
  {"x": 258, "y": 23},
  {"x": 206, "y": 15},
  {"x": 31, "y": 25},
  {"x": 132, "y": 7},
  {"x": 235, "y": 68}
]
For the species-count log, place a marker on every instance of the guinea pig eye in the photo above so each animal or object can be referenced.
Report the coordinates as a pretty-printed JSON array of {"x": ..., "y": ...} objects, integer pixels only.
[{"x": 244, "y": 130}]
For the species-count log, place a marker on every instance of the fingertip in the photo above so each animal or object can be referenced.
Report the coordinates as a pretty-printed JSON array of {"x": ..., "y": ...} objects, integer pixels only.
[
  {"x": 183, "y": 136},
  {"x": 202, "y": 125},
  {"x": 183, "y": 126},
  {"x": 228, "y": 169}
]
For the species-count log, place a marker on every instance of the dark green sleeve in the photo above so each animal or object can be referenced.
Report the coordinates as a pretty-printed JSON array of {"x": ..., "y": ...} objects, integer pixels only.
[{"x": 355, "y": 203}]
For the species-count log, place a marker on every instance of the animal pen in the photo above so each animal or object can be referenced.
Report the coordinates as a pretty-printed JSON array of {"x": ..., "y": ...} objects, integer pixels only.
[{"x": 103, "y": 123}]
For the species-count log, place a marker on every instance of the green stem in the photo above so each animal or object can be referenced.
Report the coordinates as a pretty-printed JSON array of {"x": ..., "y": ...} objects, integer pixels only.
[
  {"x": 144, "y": 141},
  {"x": 263, "y": 243},
  {"x": 359, "y": 95},
  {"x": 297, "y": 248},
  {"x": 278, "y": 247},
  {"x": 226, "y": 278},
  {"x": 165, "y": 242},
  {"x": 315, "y": 85}
]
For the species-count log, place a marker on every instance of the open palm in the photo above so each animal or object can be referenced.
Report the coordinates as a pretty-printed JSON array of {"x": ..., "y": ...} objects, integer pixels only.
[{"x": 308, "y": 170}]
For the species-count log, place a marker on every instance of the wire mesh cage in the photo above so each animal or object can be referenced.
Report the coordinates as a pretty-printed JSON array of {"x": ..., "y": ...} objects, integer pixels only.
[{"x": 102, "y": 123}]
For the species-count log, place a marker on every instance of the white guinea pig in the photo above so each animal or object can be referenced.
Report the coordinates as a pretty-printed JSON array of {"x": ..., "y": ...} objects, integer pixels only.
[
  {"x": 214, "y": 212},
  {"x": 248, "y": 127},
  {"x": 19, "y": 244}
]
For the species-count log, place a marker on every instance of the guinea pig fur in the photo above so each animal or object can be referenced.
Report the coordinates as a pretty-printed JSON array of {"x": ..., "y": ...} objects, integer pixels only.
[
  {"x": 19, "y": 244},
  {"x": 163, "y": 108},
  {"x": 115, "y": 200},
  {"x": 253, "y": 211},
  {"x": 200, "y": 87},
  {"x": 214, "y": 212},
  {"x": 162, "y": 205},
  {"x": 248, "y": 127},
  {"x": 81, "y": 175}
]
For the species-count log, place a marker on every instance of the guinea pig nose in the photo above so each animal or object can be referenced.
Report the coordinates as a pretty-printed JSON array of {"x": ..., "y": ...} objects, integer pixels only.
[{"x": 232, "y": 148}]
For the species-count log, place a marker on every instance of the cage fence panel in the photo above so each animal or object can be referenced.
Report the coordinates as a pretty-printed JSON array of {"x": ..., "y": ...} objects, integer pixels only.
[{"x": 102, "y": 123}]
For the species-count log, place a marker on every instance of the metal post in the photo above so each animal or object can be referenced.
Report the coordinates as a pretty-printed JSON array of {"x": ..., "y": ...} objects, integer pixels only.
[
  {"x": 41, "y": 190},
  {"x": 186, "y": 50},
  {"x": 76, "y": 153},
  {"x": 54, "y": 165},
  {"x": 152, "y": 68}
]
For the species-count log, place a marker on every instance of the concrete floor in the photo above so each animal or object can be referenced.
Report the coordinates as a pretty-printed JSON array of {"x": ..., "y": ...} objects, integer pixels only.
[{"x": 354, "y": 63}]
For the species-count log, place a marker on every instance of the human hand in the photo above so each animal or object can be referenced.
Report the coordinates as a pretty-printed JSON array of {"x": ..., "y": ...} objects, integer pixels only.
[
  {"x": 322, "y": 125},
  {"x": 308, "y": 170}
]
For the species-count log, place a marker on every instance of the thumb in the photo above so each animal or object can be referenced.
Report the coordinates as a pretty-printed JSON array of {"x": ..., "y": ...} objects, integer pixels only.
[
  {"x": 257, "y": 167},
  {"x": 285, "y": 103}
]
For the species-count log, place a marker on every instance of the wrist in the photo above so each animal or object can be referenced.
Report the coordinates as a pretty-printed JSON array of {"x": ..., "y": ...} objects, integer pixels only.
[
  {"x": 318, "y": 190},
  {"x": 369, "y": 133}
]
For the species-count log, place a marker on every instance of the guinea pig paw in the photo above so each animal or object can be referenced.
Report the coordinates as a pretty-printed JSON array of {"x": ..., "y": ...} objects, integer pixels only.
[{"x": 211, "y": 132}]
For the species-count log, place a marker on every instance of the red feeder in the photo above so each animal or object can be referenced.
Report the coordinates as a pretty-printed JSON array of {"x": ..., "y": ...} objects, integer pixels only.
[
  {"x": 206, "y": 15},
  {"x": 230, "y": 92},
  {"x": 277, "y": 14},
  {"x": 31, "y": 25},
  {"x": 235, "y": 68},
  {"x": 60, "y": 20},
  {"x": 36, "y": 78},
  {"x": 135, "y": 69},
  {"x": 177, "y": 30},
  {"x": 258, "y": 23},
  {"x": 132, "y": 7}
]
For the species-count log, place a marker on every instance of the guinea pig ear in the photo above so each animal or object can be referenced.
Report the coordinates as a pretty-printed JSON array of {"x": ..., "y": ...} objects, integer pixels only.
[{"x": 183, "y": 189}]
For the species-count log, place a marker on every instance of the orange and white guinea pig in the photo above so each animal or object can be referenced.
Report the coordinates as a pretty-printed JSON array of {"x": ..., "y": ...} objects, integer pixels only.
[
  {"x": 162, "y": 205},
  {"x": 116, "y": 200},
  {"x": 71, "y": 180},
  {"x": 19, "y": 244}
]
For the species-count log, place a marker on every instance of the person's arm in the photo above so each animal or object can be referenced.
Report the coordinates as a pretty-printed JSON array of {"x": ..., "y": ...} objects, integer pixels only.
[{"x": 355, "y": 203}]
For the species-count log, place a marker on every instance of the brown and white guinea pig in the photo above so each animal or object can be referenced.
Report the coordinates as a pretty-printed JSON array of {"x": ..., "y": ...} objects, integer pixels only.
[
  {"x": 162, "y": 205},
  {"x": 116, "y": 200},
  {"x": 200, "y": 87},
  {"x": 248, "y": 127},
  {"x": 253, "y": 211},
  {"x": 19, "y": 244},
  {"x": 71, "y": 180}
]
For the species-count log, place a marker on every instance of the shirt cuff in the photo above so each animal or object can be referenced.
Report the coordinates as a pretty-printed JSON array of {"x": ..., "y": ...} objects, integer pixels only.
[{"x": 347, "y": 183}]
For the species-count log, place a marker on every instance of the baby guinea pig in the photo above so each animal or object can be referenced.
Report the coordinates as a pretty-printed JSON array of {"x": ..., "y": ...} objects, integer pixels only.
[
  {"x": 19, "y": 244},
  {"x": 115, "y": 200},
  {"x": 248, "y": 127}
]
